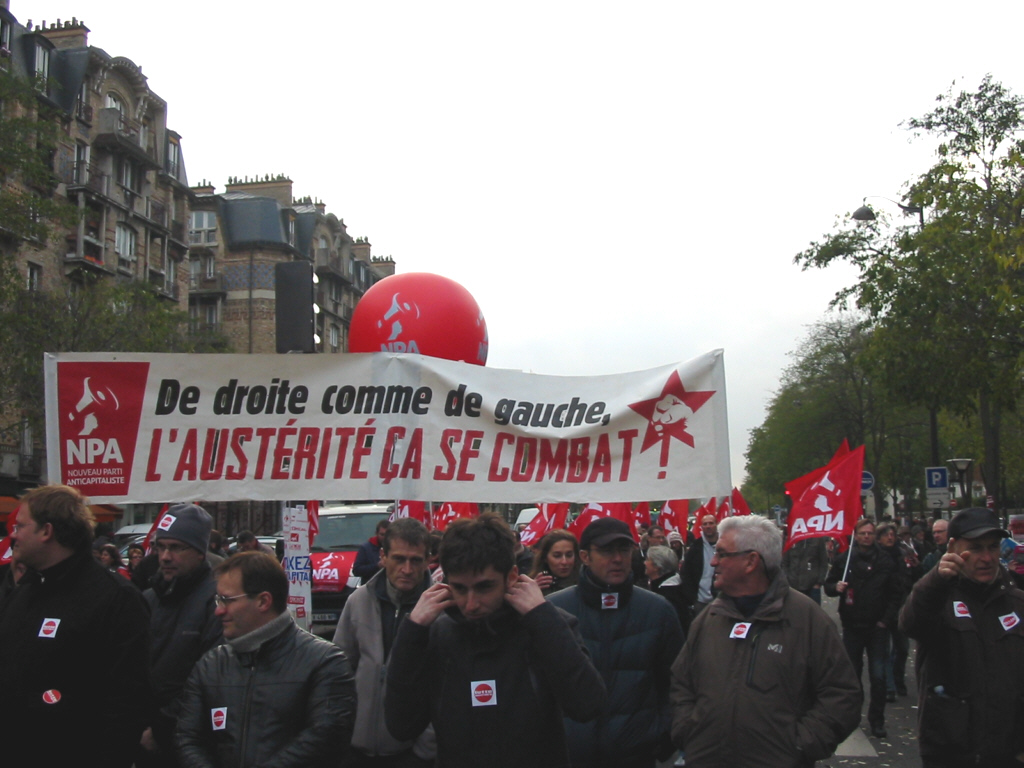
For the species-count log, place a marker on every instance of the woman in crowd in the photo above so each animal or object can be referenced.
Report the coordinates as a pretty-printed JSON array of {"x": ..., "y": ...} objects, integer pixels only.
[
  {"x": 662, "y": 567},
  {"x": 557, "y": 562},
  {"x": 110, "y": 559}
]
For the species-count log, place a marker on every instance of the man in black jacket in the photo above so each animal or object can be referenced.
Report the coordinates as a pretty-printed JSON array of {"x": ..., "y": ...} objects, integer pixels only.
[
  {"x": 272, "y": 694},
  {"x": 486, "y": 660},
  {"x": 182, "y": 624},
  {"x": 869, "y": 603},
  {"x": 74, "y": 639}
]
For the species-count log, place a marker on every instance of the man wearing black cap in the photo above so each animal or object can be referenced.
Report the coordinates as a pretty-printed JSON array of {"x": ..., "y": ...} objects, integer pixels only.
[
  {"x": 182, "y": 624},
  {"x": 633, "y": 636},
  {"x": 968, "y": 619}
]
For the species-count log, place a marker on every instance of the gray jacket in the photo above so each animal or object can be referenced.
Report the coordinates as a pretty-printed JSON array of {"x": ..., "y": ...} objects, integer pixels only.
[{"x": 360, "y": 634}]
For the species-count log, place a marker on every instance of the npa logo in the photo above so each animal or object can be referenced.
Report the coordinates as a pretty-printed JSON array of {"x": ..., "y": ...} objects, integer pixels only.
[
  {"x": 49, "y": 628},
  {"x": 609, "y": 601},
  {"x": 740, "y": 630},
  {"x": 485, "y": 693},
  {"x": 1009, "y": 621},
  {"x": 166, "y": 522},
  {"x": 219, "y": 718},
  {"x": 51, "y": 696},
  {"x": 960, "y": 610},
  {"x": 99, "y": 407}
]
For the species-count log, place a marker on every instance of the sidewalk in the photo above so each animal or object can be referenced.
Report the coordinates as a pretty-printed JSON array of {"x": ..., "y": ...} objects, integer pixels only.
[{"x": 899, "y": 750}]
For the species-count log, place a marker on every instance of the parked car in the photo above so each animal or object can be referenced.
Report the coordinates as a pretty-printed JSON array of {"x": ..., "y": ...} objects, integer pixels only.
[{"x": 343, "y": 529}]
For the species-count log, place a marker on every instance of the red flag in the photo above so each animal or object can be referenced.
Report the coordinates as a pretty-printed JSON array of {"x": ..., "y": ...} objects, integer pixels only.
[
  {"x": 739, "y": 504},
  {"x": 5, "y": 548},
  {"x": 831, "y": 505},
  {"x": 551, "y": 516},
  {"x": 621, "y": 510},
  {"x": 417, "y": 510},
  {"x": 642, "y": 514},
  {"x": 453, "y": 510},
  {"x": 711, "y": 508},
  {"x": 673, "y": 516},
  {"x": 797, "y": 487},
  {"x": 699, "y": 515},
  {"x": 146, "y": 543},
  {"x": 724, "y": 510},
  {"x": 313, "y": 515}
]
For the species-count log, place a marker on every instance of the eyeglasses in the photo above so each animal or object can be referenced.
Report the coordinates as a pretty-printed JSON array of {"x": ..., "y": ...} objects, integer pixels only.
[
  {"x": 722, "y": 555},
  {"x": 174, "y": 549},
  {"x": 223, "y": 600}
]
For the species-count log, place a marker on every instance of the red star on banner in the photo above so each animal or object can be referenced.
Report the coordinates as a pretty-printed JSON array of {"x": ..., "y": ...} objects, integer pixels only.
[{"x": 664, "y": 413}]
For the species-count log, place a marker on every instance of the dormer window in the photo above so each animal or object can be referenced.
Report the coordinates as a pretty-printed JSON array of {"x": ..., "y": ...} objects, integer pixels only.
[
  {"x": 114, "y": 101},
  {"x": 42, "y": 64}
]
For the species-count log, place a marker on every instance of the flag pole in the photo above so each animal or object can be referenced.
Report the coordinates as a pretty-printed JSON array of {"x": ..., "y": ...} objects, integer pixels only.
[{"x": 849, "y": 554}]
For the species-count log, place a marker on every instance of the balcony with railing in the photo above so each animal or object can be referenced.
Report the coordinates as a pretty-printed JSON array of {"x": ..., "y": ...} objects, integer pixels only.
[
  {"x": 117, "y": 131},
  {"x": 81, "y": 174},
  {"x": 206, "y": 284}
]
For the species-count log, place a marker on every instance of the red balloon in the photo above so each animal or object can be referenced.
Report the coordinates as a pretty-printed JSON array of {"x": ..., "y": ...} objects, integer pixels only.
[{"x": 422, "y": 313}]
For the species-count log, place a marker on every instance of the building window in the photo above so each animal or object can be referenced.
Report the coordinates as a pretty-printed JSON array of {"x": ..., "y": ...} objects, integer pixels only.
[
  {"x": 124, "y": 245},
  {"x": 113, "y": 101},
  {"x": 5, "y": 39},
  {"x": 173, "y": 158},
  {"x": 34, "y": 277},
  {"x": 42, "y": 64},
  {"x": 203, "y": 227},
  {"x": 335, "y": 337},
  {"x": 128, "y": 174}
]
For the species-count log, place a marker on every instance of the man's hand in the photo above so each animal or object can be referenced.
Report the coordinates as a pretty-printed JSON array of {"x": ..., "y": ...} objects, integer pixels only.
[
  {"x": 951, "y": 564},
  {"x": 147, "y": 741},
  {"x": 524, "y": 595},
  {"x": 840, "y": 586},
  {"x": 432, "y": 603}
]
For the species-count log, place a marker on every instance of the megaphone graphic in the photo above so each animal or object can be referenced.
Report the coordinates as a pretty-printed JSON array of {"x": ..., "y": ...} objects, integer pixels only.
[{"x": 92, "y": 404}]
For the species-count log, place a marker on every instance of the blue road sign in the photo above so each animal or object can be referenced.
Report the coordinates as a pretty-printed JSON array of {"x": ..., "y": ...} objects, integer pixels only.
[
  {"x": 867, "y": 481},
  {"x": 936, "y": 477}
]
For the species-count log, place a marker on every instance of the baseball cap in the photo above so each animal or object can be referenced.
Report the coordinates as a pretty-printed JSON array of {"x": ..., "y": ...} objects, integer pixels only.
[
  {"x": 604, "y": 531},
  {"x": 973, "y": 522}
]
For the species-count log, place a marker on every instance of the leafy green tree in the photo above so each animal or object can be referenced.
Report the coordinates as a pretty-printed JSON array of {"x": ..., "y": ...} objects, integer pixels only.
[{"x": 945, "y": 297}]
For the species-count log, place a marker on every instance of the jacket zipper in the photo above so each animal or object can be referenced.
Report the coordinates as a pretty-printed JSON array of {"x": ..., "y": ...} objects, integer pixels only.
[{"x": 245, "y": 710}]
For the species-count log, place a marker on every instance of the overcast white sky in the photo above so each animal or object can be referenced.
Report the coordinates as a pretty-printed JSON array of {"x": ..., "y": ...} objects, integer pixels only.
[{"x": 619, "y": 185}]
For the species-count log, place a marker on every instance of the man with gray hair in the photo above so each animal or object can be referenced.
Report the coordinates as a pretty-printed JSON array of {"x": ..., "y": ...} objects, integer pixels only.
[{"x": 764, "y": 679}]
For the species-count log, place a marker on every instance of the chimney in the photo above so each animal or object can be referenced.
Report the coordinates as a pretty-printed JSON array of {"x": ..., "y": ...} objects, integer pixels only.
[
  {"x": 278, "y": 187},
  {"x": 66, "y": 35}
]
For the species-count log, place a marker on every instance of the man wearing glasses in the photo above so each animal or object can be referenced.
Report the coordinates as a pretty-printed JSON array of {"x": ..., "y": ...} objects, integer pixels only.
[
  {"x": 764, "y": 679},
  {"x": 633, "y": 636},
  {"x": 182, "y": 621},
  {"x": 272, "y": 694},
  {"x": 73, "y": 642}
]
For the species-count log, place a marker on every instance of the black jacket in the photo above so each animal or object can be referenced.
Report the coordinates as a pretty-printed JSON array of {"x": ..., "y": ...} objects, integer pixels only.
[
  {"x": 74, "y": 645},
  {"x": 633, "y": 647},
  {"x": 183, "y": 628},
  {"x": 290, "y": 703},
  {"x": 495, "y": 689},
  {"x": 874, "y": 588},
  {"x": 693, "y": 568},
  {"x": 970, "y": 668}
]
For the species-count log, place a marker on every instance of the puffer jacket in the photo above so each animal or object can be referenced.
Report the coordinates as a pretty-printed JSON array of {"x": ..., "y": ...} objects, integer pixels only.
[
  {"x": 874, "y": 588},
  {"x": 289, "y": 703},
  {"x": 633, "y": 647},
  {"x": 494, "y": 689},
  {"x": 970, "y": 668},
  {"x": 361, "y": 635},
  {"x": 784, "y": 694}
]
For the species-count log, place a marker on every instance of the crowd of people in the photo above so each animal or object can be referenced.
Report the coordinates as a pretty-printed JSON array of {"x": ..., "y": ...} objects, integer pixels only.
[{"x": 468, "y": 649}]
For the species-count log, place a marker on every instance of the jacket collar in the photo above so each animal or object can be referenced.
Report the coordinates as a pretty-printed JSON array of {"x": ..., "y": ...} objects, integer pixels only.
[{"x": 591, "y": 589}]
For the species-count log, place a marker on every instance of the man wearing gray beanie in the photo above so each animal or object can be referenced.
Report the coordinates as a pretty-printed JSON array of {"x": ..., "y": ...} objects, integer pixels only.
[{"x": 183, "y": 624}]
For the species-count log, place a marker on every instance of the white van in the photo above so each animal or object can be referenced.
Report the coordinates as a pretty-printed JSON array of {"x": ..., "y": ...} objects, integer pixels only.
[{"x": 525, "y": 518}]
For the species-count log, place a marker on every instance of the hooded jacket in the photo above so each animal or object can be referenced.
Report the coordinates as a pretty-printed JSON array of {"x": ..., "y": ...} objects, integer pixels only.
[
  {"x": 774, "y": 689},
  {"x": 495, "y": 689}
]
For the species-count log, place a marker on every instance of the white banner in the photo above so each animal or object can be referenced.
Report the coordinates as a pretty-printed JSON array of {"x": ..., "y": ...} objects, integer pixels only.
[
  {"x": 297, "y": 564},
  {"x": 164, "y": 427}
]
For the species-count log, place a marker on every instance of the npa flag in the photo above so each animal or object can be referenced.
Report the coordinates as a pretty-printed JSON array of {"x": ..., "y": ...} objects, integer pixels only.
[
  {"x": 724, "y": 510},
  {"x": 453, "y": 510},
  {"x": 796, "y": 488},
  {"x": 699, "y": 515},
  {"x": 551, "y": 516},
  {"x": 711, "y": 508},
  {"x": 673, "y": 516},
  {"x": 831, "y": 505},
  {"x": 739, "y": 504},
  {"x": 5, "y": 549},
  {"x": 417, "y": 510},
  {"x": 621, "y": 510},
  {"x": 313, "y": 515},
  {"x": 148, "y": 541},
  {"x": 642, "y": 515}
]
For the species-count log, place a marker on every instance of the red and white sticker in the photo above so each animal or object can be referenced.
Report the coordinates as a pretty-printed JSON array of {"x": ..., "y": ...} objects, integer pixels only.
[
  {"x": 219, "y": 718},
  {"x": 609, "y": 601},
  {"x": 49, "y": 628},
  {"x": 51, "y": 696},
  {"x": 961, "y": 610},
  {"x": 740, "y": 630},
  {"x": 485, "y": 693},
  {"x": 166, "y": 522},
  {"x": 1009, "y": 621}
]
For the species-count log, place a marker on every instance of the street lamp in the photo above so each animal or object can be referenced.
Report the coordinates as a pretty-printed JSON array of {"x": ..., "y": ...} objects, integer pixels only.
[
  {"x": 864, "y": 213},
  {"x": 962, "y": 467}
]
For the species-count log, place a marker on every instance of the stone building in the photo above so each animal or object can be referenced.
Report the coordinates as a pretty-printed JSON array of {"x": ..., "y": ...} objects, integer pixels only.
[{"x": 237, "y": 237}]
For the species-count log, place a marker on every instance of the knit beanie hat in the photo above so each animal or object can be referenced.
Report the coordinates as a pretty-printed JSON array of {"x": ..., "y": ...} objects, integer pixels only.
[{"x": 188, "y": 523}]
